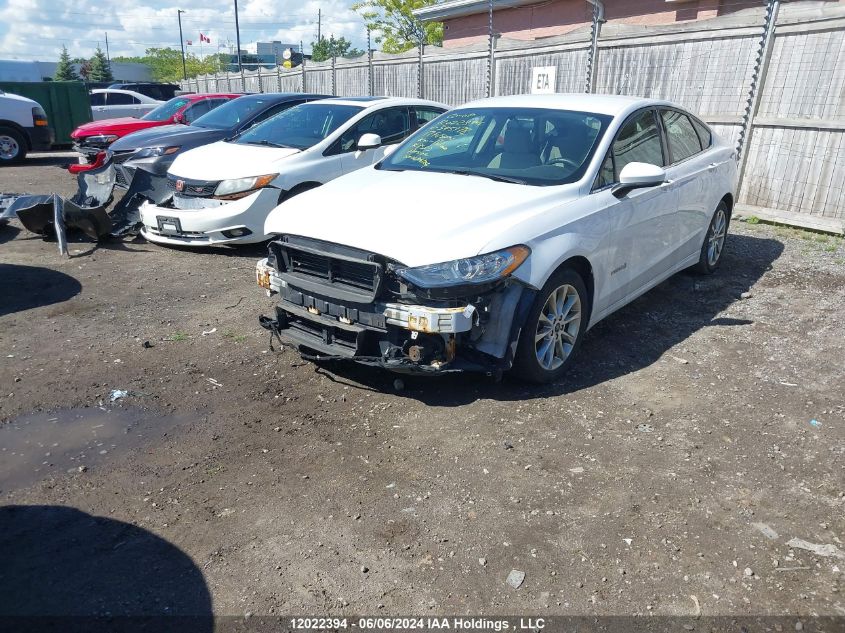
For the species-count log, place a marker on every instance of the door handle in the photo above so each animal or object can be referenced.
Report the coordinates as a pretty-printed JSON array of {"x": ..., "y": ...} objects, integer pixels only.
[{"x": 712, "y": 166}]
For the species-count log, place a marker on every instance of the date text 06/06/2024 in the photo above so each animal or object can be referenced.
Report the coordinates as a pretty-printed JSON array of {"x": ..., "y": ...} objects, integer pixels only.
[{"x": 418, "y": 623}]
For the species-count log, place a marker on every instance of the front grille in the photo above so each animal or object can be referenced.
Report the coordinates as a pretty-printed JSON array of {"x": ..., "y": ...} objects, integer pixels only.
[
  {"x": 120, "y": 178},
  {"x": 328, "y": 269},
  {"x": 193, "y": 188},
  {"x": 354, "y": 274}
]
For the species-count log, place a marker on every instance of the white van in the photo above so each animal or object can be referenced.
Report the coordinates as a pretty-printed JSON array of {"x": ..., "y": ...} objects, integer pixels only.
[{"x": 23, "y": 128}]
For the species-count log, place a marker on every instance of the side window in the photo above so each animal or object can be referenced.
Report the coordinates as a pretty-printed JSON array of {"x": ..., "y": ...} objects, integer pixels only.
[
  {"x": 423, "y": 116},
  {"x": 119, "y": 98},
  {"x": 704, "y": 134},
  {"x": 273, "y": 111},
  {"x": 680, "y": 135},
  {"x": 98, "y": 99},
  {"x": 638, "y": 142},
  {"x": 391, "y": 124},
  {"x": 192, "y": 113},
  {"x": 135, "y": 101}
]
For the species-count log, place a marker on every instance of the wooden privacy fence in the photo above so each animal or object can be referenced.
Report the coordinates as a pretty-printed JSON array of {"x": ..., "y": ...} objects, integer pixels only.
[{"x": 771, "y": 80}]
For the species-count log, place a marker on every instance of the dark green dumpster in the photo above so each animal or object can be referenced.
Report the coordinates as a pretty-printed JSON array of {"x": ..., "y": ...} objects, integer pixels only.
[{"x": 66, "y": 103}]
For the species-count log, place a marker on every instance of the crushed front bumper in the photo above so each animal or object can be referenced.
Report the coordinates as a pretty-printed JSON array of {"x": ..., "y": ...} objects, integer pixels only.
[
  {"x": 400, "y": 337},
  {"x": 209, "y": 221}
]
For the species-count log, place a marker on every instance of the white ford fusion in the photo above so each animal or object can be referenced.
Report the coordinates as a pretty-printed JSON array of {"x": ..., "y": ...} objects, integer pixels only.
[
  {"x": 497, "y": 235},
  {"x": 223, "y": 192}
]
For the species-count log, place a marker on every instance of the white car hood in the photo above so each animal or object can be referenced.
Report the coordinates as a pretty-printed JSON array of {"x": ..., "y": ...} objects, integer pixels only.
[
  {"x": 224, "y": 161},
  {"x": 415, "y": 217}
]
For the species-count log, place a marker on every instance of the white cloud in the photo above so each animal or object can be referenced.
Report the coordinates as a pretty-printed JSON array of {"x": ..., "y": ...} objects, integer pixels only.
[{"x": 37, "y": 29}]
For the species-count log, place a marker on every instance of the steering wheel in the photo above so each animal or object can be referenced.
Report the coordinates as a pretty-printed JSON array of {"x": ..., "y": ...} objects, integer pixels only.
[{"x": 563, "y": 161}]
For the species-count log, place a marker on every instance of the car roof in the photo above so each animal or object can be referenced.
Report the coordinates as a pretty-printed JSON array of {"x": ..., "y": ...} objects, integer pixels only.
[
  {"x": 194, "y": 96},
  {"x": 281, "y": 97},
  {"x": 118, "y": 90},
  {"x": 613, "y": 105},
  {"x": 372, "y": 102}
]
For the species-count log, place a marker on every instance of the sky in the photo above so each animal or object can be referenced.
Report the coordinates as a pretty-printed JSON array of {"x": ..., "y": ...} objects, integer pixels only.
[{"x": 36, "y": 29}]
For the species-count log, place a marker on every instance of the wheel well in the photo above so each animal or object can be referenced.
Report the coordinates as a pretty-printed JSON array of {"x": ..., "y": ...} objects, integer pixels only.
[
  {"x": 303, "y": 186},
  {"x": 582, "y": 266},
  {"x": 17, "y": 128},
  {"x": 728, "y": 199}
]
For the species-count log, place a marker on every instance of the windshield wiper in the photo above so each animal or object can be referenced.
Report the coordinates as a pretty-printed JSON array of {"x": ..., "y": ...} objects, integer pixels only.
[
  {"x": 496, "y": 177},
  {"x": 267, "y": 143}
]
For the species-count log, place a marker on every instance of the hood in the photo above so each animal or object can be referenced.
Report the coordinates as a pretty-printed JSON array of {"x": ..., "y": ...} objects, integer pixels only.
[
  {"x": 223, "y": 161},
  {"x": 168, "y": 135},
  {"x": 415, "y": 217},
  {"x": 12, "y": 97},
  {"x": 121, "y": 127}
]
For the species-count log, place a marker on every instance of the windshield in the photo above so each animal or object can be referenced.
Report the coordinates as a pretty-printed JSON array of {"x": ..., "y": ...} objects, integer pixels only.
[
  {"x": 530, "y": 146},
  {"x": 301, "y": 126},
  {"x": 232, "y": 113},
  {"x": 165, "y": 110}
]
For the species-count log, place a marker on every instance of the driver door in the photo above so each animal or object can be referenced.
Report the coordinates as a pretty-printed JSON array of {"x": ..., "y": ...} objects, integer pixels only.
[{"x": 391, "y": 124}]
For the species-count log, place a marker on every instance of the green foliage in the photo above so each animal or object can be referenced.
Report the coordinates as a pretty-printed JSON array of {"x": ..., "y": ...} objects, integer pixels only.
[
  {"x": 166, "y": 63},
  {"x": 397, "y": 27},
  {"x": 64, "y": 69},
  {"x": 100, "y": 67},
  {"x": 328, "y": 48}
]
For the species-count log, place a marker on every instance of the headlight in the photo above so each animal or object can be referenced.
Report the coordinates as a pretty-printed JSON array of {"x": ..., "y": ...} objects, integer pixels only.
[
  {"x": 102, "y": 138},
  {"x": 152, "y": 152},
  {"x": 238, "y": 185},
  {"x": 472, "y": 270}
]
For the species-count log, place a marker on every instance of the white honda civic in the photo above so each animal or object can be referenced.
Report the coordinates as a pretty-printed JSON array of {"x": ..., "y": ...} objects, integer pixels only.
[
  {"x": 495, "y": 237},
  {"x": 223, "y": 192}
]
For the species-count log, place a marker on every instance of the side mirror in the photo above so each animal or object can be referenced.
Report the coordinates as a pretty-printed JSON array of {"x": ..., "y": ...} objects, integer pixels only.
[
  {"x": 368, "y": 141},
  {"x": 638, "y": 176},
  {"x": 179, "y": 117}
]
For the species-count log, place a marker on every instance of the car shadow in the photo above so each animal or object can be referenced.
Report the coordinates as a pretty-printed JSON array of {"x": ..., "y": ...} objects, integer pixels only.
[
  {"x": 632, "y": 338},
  {"x": 64, "y": 569},
  {"x": 27, "y": 287}
]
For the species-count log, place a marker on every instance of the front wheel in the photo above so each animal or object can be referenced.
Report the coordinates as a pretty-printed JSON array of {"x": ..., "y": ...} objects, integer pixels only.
[
  {"x": 554, "y": 328},
  {"x": 12, "y": 146},
  {"x": 714, "y": 242}
]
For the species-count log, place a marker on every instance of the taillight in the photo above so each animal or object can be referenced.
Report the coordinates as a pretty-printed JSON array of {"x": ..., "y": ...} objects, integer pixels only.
[{"x": 39, "y": 117}]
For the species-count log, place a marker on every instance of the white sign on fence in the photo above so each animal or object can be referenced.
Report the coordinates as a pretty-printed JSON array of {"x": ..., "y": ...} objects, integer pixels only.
[{"x": 543, "y": 79}]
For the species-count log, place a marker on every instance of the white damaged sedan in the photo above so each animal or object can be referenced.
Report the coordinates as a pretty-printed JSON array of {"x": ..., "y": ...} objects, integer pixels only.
[{"x": 498, "y": 235}]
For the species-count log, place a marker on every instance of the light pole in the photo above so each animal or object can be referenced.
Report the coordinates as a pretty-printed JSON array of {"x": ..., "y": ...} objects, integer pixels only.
[
  {"x": 238, "y": 35},
  {"x": 179, "y": 13}
]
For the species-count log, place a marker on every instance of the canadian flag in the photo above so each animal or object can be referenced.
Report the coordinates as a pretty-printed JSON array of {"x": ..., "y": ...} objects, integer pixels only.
[{"x": 205, "y": 38}]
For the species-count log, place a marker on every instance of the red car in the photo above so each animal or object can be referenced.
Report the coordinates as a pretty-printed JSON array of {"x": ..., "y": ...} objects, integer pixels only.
[{"x": 92, "y": 138}]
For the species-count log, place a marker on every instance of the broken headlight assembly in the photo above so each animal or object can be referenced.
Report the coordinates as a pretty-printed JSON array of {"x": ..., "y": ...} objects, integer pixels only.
[
  {"x": 241, "y": 187},
  {"x": 153, "y": 152},
  {"x": 475, "y": 271}
]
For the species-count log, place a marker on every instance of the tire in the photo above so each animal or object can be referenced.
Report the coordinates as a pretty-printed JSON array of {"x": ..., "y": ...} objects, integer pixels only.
[
  {"x": 546, "y": 359},
  {"x": 714, "y": 241},
  {"x": 12, "y": 146}
]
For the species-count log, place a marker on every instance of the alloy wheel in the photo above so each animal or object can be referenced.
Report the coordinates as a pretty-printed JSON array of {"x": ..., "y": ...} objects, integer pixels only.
[
  {"x": 557, "y": 327},
  {"x": 716, "y": 237}
]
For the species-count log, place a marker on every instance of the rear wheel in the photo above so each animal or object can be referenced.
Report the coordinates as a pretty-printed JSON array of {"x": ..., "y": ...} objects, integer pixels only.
[
  {"x": 714, "y": 242},
  {"x": 554, "y": 328},
  {"x": 12, "y": 146}
]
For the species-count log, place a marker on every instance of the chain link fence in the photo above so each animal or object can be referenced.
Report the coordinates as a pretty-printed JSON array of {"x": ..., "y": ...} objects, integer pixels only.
[{"x": 769, "y": 78}]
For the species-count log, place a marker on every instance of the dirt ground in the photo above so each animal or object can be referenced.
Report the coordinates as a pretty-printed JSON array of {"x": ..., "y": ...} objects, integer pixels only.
[{"x": 702, "y": 429}]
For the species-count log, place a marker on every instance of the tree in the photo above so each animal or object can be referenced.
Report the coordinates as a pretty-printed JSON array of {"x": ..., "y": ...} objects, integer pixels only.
[
  {"x": 166, "y": 63},
  {"x": 398, "y": 30},
  {"x": 100, "y": 67},
  {"x": 85, "y": 70},
  {"x": 64, "y": 69},
  {"x": 327, "y": 48}
]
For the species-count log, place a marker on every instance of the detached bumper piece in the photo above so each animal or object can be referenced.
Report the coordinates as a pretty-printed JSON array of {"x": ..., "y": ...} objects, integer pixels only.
[{"x": 51, "y": 215}]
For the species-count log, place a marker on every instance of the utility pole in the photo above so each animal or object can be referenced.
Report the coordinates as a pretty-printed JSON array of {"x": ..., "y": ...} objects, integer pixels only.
[
  {"x": 179, "y": 13},
  {"x": 319, "y": 24},
  {"x": 108, "y": 58},
  {"x": 238, "y": 36}
]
